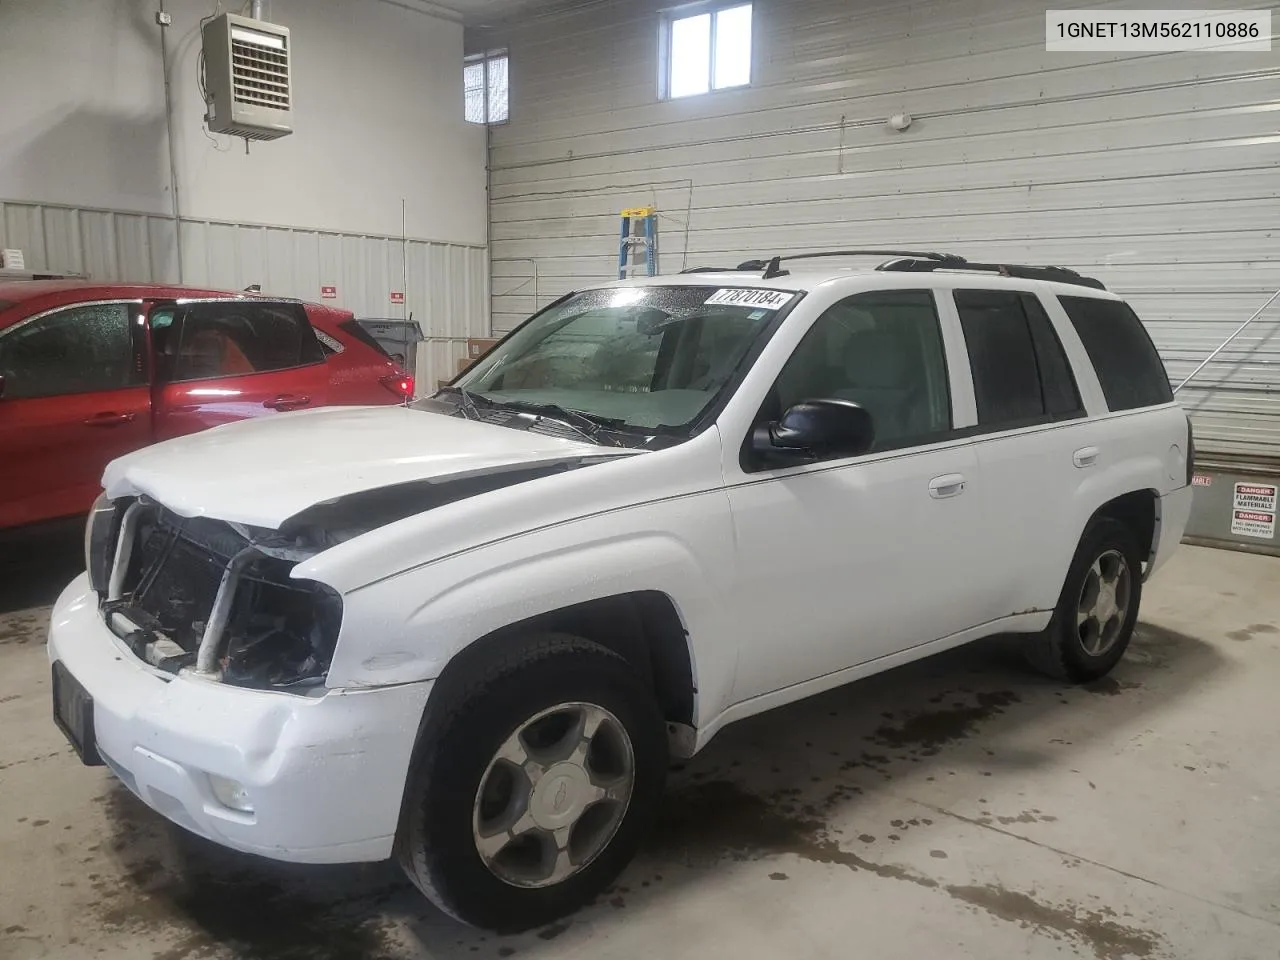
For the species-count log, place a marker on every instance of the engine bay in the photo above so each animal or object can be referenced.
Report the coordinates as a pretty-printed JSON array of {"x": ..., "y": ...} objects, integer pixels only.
[{"x": 196, "y": 593}]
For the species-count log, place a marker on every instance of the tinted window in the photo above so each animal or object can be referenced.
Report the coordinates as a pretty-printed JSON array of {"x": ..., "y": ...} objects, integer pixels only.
[
  {"x": 1002, "y": 356},
  {"x": 1128, "y": 366},
  {"x": 353, "y": 329},
  {"x": 77, "y": 350},
  {"x": 1020, "y": 373},
  {"x": 1061, "y": 396},
  {"x": 882, "y": 350},
  {"x": 204, "y": 340}
]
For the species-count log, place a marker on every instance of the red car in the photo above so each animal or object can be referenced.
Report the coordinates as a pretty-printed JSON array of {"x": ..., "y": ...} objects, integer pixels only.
[{"x": 90, "y": 371}]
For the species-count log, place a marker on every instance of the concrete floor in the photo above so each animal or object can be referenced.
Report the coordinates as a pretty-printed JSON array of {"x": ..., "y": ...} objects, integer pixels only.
[{"x": 956, "y": 808}]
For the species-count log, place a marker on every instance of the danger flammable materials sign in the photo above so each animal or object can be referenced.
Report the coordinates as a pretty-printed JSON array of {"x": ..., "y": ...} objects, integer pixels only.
[
  {"x": 1253, "y": 512},
  {"x": 1256, "y": 496}
]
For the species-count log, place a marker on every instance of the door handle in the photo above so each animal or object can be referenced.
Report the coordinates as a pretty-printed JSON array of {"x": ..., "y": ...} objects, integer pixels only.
[
  {"x": 286, "y": 401},
  {"x": 1085, "y": 457},
  {"x": 109, "y": 418},
  {"x": 950, "y": 485}
]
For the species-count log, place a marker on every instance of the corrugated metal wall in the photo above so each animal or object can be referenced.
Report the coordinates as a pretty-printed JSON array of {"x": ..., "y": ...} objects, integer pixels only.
[
  {"x": 1155, "y": 172},
  {"x": 446, "y": 289}
]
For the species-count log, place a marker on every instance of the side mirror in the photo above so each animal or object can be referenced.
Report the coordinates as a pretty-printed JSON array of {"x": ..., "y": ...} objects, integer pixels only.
[{"x": 813, "y": 430}]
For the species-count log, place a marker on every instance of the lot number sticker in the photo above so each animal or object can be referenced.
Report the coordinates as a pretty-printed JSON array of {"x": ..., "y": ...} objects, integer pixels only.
[
  {"x": 760, "y": 299},
  {"x": 1253, "y": 511}
]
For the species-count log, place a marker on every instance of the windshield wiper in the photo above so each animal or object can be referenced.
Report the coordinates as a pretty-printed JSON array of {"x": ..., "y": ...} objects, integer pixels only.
[
  {"x": 467, "y": 404},
  {"x": 588, "y": 425}
]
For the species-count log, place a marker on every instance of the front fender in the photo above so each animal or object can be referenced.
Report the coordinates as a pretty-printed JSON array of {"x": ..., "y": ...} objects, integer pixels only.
[{"x": 406, "y": 628}]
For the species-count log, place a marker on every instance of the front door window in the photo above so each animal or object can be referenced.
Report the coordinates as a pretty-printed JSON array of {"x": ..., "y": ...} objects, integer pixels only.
[
  {"x": 883, "y": 350},
  {"x": 82, "y": 349}
]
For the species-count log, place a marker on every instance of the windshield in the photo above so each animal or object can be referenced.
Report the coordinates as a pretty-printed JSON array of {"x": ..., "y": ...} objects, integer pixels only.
[{"x": 641, "y": 357}]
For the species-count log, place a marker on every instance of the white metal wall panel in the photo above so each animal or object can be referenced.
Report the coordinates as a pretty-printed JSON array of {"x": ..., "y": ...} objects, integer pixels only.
[
  {"x": 162, "y": 242},
  {"x": 447, "y": 283},
  {"x": 97, "y": 246},
  {"x": 1155, "y": 172}
]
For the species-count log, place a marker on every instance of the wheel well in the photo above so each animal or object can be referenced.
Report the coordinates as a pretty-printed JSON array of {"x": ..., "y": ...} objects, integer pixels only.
[
  {"x": 1137, "y": 511},
  {"x": 642, "y": 627}
]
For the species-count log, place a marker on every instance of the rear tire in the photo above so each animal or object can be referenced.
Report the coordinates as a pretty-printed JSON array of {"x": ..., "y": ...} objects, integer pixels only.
[
  {"x": 535, "y": 786},
  {"x": 1097, "y": 609}
]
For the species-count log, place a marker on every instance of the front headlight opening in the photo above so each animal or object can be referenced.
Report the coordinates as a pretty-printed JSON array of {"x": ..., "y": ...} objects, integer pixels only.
[
  {"x": 282, "y": 632},
  {"x": 203, "y": 594}
]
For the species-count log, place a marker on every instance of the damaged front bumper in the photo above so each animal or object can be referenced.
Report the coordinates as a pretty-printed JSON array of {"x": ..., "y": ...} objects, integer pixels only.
[{"x": 320, "y": 771}]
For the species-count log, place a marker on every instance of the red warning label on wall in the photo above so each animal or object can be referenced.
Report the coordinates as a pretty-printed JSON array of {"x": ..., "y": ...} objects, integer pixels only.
[
  {"x": 1250, "y": 523},
  {"x": 1255, "y": 496},
  {"x": 397, "y": 296},
  {"x": 1253, "y": 510},
  {"x": 328, "y": 293}
]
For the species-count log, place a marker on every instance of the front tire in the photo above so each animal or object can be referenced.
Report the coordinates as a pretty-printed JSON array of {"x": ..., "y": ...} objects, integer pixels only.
[
  {"x": 1097, "y": 609},
  {"x": 534, "y": 788}
]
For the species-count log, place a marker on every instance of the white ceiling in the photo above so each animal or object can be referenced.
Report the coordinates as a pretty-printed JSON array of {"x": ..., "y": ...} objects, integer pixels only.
[{"x": 482, "y": 12}]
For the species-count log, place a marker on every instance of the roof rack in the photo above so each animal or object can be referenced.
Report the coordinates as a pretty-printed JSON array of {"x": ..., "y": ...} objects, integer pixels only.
[
  {"x": 917, "y": 261},
  {"x": 910, "y": 264},
  {"x": 773, "y": 268}
]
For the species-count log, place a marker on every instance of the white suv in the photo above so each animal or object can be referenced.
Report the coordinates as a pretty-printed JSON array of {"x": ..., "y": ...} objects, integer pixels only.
[{"x": 471, "y": 632}]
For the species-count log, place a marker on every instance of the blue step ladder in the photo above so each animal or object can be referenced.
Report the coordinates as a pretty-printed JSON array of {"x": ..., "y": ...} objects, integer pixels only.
[{"x": 639, "y": 229}]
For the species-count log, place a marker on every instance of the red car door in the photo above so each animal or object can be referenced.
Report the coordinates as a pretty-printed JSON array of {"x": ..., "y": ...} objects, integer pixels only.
[
  {"x": 74, "y": 398},
  {"x": 223, "y": 360}
]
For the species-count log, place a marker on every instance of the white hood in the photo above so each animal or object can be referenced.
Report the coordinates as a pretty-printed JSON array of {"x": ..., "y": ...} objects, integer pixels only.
[{"x": 261, "y": 472}]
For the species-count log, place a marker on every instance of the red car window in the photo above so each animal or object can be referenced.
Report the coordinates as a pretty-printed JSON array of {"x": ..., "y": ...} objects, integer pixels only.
[
  {"x": 203, "y": 340},
  {"x": 77, "y": 350}
]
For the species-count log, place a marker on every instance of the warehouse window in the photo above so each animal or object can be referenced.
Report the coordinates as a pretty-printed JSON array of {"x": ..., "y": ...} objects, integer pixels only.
[
  {"x": 704, "y": 48},
  {"x": 484, "y": 87}
]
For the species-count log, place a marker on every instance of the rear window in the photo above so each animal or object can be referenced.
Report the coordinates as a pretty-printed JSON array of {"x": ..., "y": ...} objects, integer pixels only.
[
  {"x": 353, "y": 329},
  {"x": 225, "y": 338},
  {"x": 1020, "y": 374},
  {"x": 1128, "y": 366}
]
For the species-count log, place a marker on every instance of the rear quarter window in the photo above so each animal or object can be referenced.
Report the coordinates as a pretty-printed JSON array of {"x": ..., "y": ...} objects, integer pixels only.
[
  {"x": 353, "y": 329},
  {"x": 1129, "y": 369}
]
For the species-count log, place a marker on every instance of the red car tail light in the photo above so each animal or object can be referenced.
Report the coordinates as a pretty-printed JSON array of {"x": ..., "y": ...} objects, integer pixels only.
[{"x": 401, "y": 385}]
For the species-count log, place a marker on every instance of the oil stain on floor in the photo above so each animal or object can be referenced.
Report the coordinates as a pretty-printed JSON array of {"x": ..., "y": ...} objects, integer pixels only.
[
  {"x": 720, "y": 816},
  {"x": 928, "y": 731},
  {"x": 154, "y": 881},
  {"x": 220, "y": 902}
]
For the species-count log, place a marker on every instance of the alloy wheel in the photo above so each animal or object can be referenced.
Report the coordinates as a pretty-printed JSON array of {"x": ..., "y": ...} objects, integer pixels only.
[
  {"x": 553, "y": 795},
  {"x": 1104, "y": 603}
]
